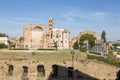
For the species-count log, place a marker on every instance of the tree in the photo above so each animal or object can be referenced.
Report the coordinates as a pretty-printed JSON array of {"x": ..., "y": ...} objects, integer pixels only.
[
  {"x": 55, "y": 45},
  {"x": 103, "y": 36},
  {"x": 76, "y": 45},
  {"x": 87, "y": 37},
  {"x": 11, "y": 45},
  {"x": 3, "y": 45},
  {"x": 3, "y": 35}
]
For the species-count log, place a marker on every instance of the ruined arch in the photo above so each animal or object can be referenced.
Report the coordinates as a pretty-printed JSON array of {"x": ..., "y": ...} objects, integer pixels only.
[
  {"x": 38, "y": 28},
  {"x": 37, "y": 39}
]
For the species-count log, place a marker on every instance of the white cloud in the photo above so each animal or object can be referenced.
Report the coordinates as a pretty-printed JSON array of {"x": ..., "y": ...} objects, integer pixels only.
[
  {"x": 96, "y": 21},
  {"x": 99, "y": 16},
  {"x": 68, "y": 17},
  {"x": 13, "y": 22},
  {"x": 25, "y": 19},
  {"x": 19, "y": 20},
  {"x": 95, "y": 17},
  {"x": 73, "y": 15}
]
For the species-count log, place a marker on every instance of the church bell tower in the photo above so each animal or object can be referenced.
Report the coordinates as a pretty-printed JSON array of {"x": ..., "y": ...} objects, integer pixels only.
[{"x": 50, "y": 25}]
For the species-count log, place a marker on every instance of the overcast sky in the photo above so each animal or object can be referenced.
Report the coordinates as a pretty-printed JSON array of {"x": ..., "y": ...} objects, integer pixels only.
[{"x": 73, "y": 15}]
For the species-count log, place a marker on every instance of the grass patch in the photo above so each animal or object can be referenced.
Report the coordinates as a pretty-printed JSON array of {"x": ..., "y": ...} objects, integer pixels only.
[
  {"x": 105, "y": 60},
  {"x": 9, "y": 54},
  {"x": 59, "y": 54}
]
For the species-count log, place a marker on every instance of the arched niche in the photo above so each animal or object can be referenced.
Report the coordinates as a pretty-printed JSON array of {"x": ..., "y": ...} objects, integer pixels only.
[
  {"x": 25, "y": 71},
  {"x": 40, "y": 71},
  {"x": 10, "y": 69},
  {"x": 55, "y": 71},
  {"x": 38, "y": 29}
]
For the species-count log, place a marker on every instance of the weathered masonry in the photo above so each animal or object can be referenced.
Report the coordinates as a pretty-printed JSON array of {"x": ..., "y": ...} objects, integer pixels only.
[
  {"x": 38, "y": 36},
  {"x": 57, "y": 72}
]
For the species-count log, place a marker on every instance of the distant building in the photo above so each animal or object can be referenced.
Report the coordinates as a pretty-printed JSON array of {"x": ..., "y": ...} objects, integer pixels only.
[
  {"x": 12, "y": 40},
  {"x": 97, "y": 36},
  {"x": 112, "y": 45},
  {"x": 36, "y": 36},
  {"x": 20, "y": 42},
  {"x": 100, "y": 47},
  {"x": 4, "y": 40},
  {"x": 118, "y": 41},
  {"x": 61, "y": 36}
]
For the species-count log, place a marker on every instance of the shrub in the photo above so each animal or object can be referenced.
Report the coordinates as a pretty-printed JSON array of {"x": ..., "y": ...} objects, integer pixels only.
[
  {"x": 64, "y": 62},
  {"x": 3, "y": 35},
  {"x": 33, "y": 53},
  {"x": 105, "y": 60},
  {"x": 3, "y": 45},
  {"x": 83, "y": 49},
  {"x": 76, "y": 45},
  {"x": 11, "y": 45},
  {"x": 19, "y": 49},
  {"x": 45, "y": 49},
  {"x": 111, "y": 52}
]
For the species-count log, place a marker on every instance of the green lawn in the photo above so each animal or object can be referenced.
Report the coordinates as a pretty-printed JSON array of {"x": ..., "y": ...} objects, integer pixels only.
[
  {"x": 56, "y": 55},
  {"x": 60, "y": 54}
]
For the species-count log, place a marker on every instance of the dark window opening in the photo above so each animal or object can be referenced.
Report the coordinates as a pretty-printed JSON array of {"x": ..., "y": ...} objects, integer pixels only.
[
  {"x": 70, "y": 72},
  {"x": 25, "y": 71},
  {"x": 10, "y": 70},
  {"x": 51, "y": 34},
  {"x": 26, "y": 46},
  {"x": 40, "y": 71},
  {"x": 57, "y": 35},
  {"x": 54, "y": 71},
  {"x": 118, "y": 75},
  {"x": 50, "y": 28}
]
